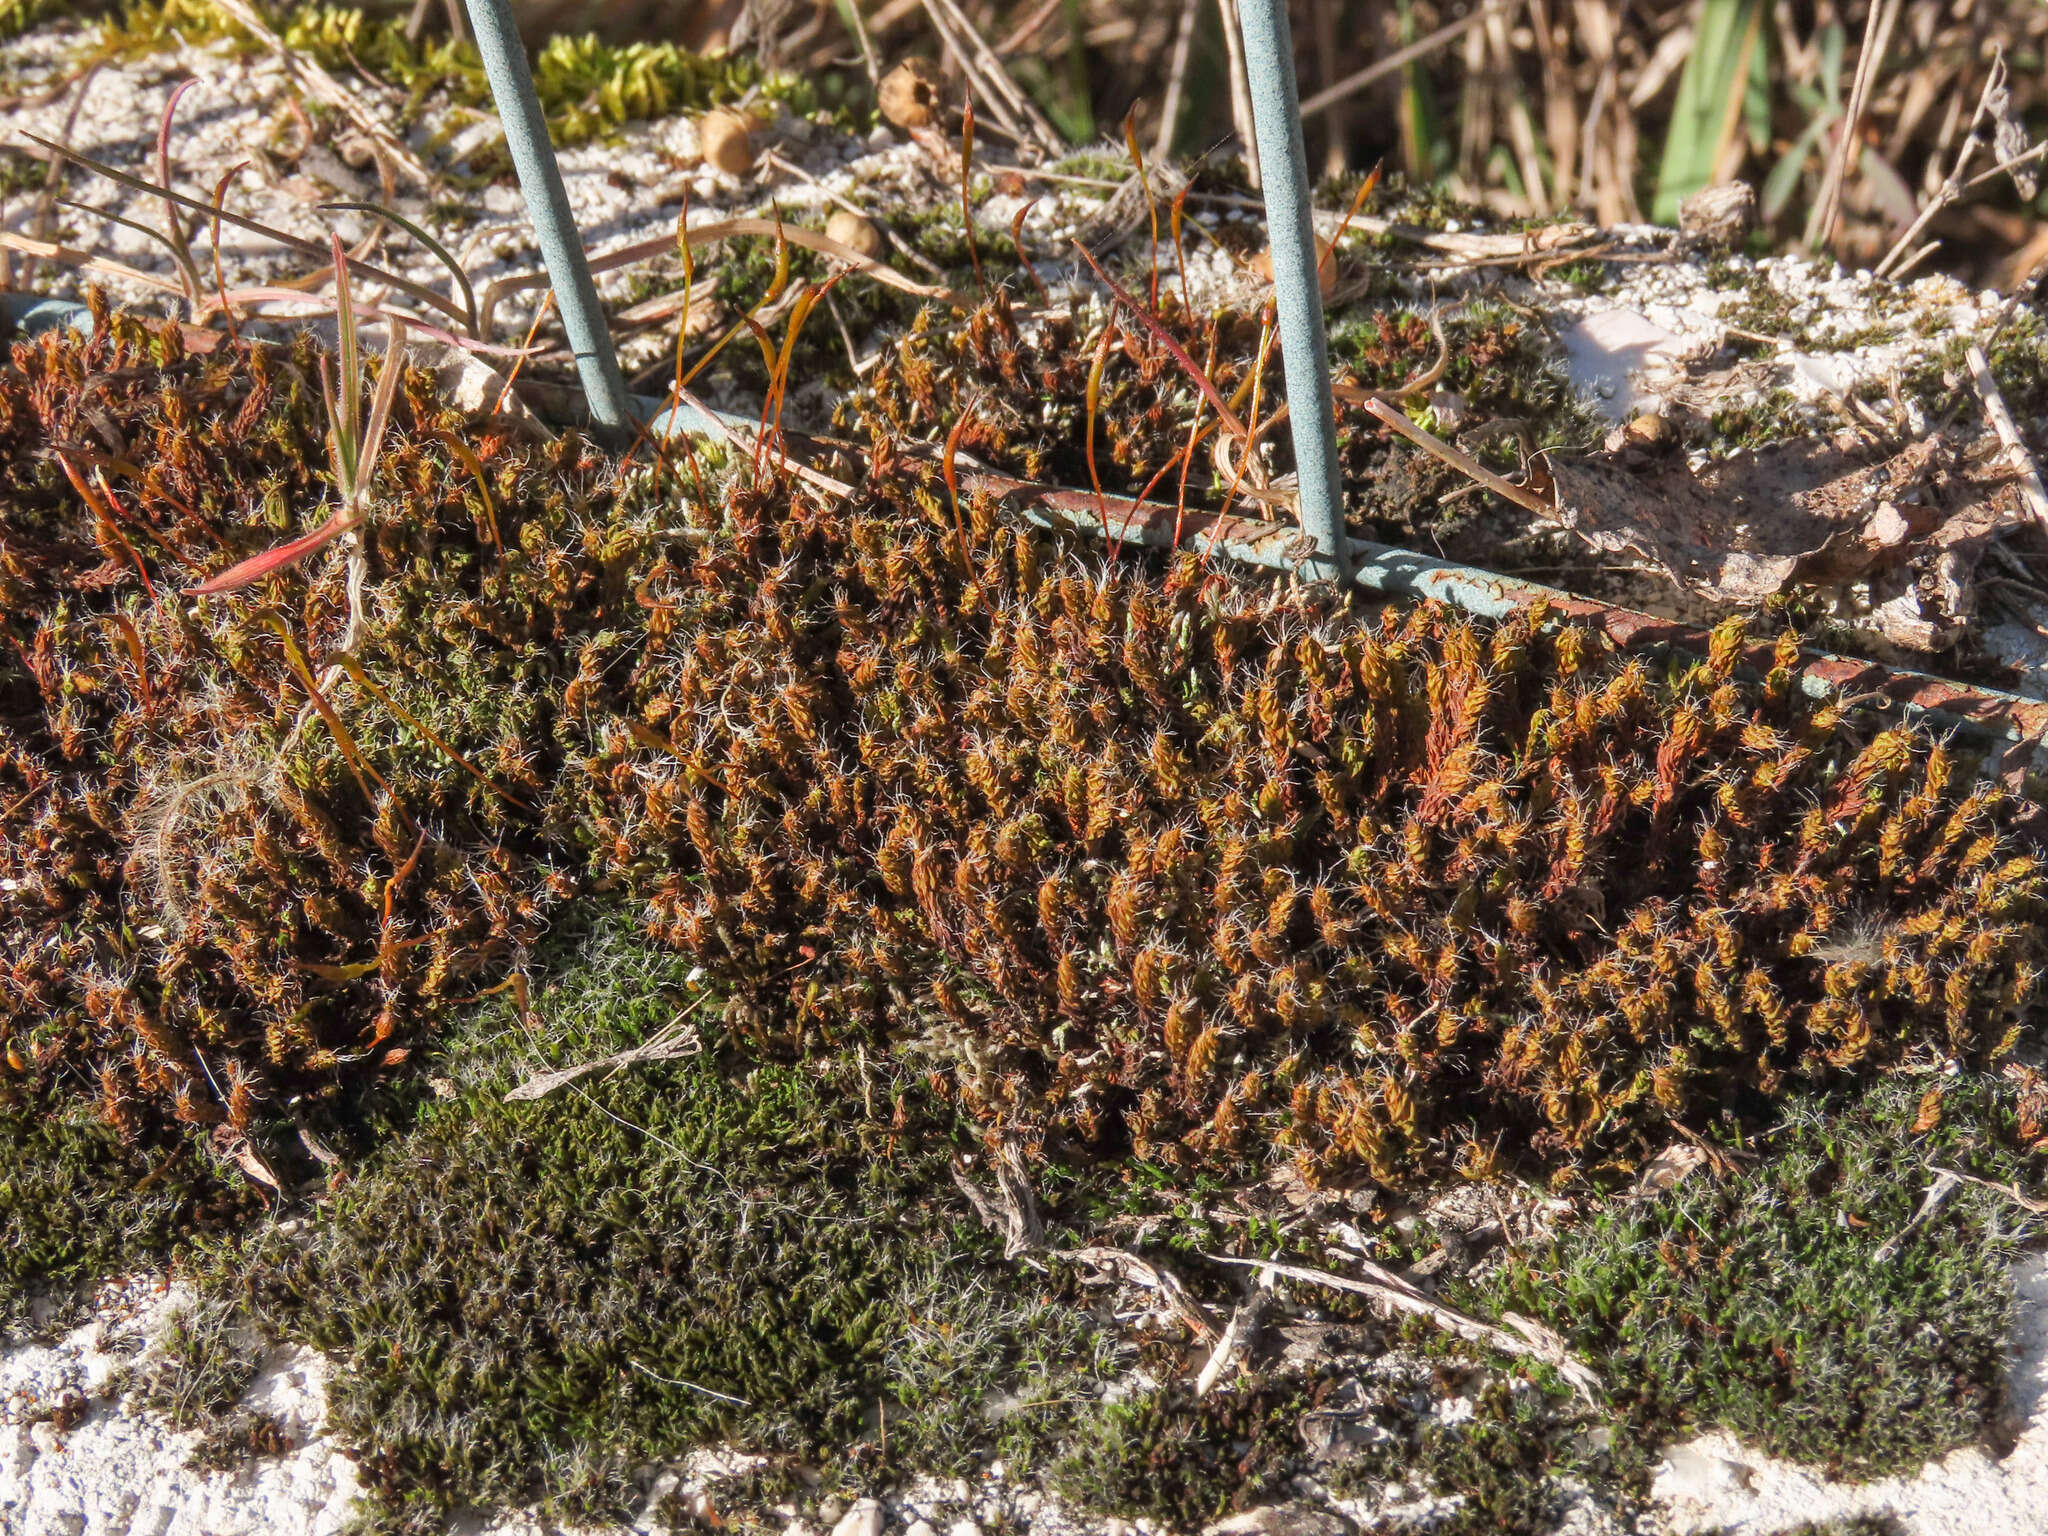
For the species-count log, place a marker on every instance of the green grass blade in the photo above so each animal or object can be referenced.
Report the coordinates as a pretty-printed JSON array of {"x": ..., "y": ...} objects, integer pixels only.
[
  {"x": 1710, "y": 97},
  {"x": 439, "y": 251}
]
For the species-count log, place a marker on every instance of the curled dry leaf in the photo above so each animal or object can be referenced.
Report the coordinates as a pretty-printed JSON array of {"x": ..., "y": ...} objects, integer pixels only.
[{"x": 1670, "y": 1167}]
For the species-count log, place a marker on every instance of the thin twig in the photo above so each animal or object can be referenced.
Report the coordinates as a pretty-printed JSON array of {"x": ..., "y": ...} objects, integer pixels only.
[
  {"x": 1944, "y": 1185},
  {"x": 1014, "y": 111},
  {"x": 676, "y": 1040},
  {"x": 1456, "y": 457},
  {"x": 1028, "y": 28},
  {"x": 1953, "y": 187},
  {"x": 2011, "y": 1192},
  {"x": 1238, "y": 1335},
  {"x": 706, "y": 234},
  {"x": 867, "y": 45},
  {"x": 901, "y": 246},
  {"x": 1132, "y": 1270},
  {"x": 671, "y": 1381},
  {"x": 2017, "y": 454}
]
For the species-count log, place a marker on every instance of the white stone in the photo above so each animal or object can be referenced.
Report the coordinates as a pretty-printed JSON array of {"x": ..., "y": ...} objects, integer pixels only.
[{"x": 864, "y": 1519}]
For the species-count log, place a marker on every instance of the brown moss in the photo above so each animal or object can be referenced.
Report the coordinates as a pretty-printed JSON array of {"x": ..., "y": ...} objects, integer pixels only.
[{"x": 1206, "y": 868}]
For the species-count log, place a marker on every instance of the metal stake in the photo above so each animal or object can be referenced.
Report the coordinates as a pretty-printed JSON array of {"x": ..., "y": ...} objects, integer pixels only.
[
  {"x": 1304, "y": 349},
  {"x": 561, "y": 246}
]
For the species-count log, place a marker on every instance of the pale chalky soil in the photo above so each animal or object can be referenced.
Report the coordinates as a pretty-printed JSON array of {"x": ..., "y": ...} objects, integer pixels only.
[{"x": 117, "y": 1469}]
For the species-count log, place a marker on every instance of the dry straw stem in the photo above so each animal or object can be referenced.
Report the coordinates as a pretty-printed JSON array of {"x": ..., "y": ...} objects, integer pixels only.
[
  {"x": 1013, "y": 1212},
  {"x": 304, "y": 247},
  {"x": 1240, "y": 91},
  {"x": 859, "y": 24},
  {"x": 1132, "y": 1270},
  {"x": 2018, "y": 455},
  {"x": 1904, "y": 253},
  {"x": 1877, "y": 37},
  {"x": 1014, "y": 1209},
  {"x": 1421, "y": 48},
  {"x": 1531, "y": 1340},
  {"x": 2011, "y": 1192},
  {"x": 1238, "y": 1335},
  {"x": 1945, "y": 1184},
  {"x": 85, "y": 261},
  {"x": 1456, "y": 457},
  {"x": 1176, "y": 79}
]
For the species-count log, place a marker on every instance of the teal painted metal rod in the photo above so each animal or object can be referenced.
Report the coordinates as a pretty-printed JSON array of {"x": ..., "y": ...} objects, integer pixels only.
[
  {"x": 1297, "y": 291},
  {"x": 561, "y": 246}
]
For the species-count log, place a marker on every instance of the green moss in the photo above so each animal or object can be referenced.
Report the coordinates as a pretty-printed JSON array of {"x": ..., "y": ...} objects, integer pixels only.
[
  {"x": 76, "y": 1205},
  {"x": 17, "y": 16},
  {"x": 2018, "y": 356},
  {"x": 1503, "y": 366},
  {"x": 1771, "y": 417},
  {"x": 195, "y": 1377},
  {"x": 1185, "y": 1461},
  {"x": 587, "y": 87},
  {"x": 20, "y": 174},
  {"x": 532, "y": 1298},
  {"x": 1760, "y": 1301},
  {"x": 1099, "y": 164}
]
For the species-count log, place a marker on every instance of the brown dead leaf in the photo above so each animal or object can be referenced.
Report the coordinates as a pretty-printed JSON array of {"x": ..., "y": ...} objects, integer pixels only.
[
  {"x": 1670, "y": 1166},
  {"x": 1749, "y": 526},
  {"x": 1930, "y": 1112}
]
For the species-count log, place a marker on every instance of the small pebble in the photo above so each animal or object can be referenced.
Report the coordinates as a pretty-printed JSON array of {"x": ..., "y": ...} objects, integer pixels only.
[{"x": 851, "y": 230}]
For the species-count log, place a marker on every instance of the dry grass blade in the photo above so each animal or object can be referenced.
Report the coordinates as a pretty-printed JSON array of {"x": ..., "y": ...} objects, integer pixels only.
[
  {"x": 2012, "y": 1192},
  {"x": 1238, "y": 1335},
  {"x": 1456, "y": 457},
  {"x": 1421, "y": 48},
  {"x": 330, "y": 92},
  {"x": 1240, "y": 91},
  {"x": 1013, "y": 1209},
  {"x": 1132, "y": 1270},
  {"x": 710, "y": 234},
  {"x": 1937, "y": 1195},
  {"x": 85, "y": 261},
  {"x": 1520, "y": 1337},
  {"x": 1176, "y": 78},
  {"x": 291, "y": 242},
  {"x": 1014, "y": 109},
  {"x": 434, "y": 247},
  {"x": 174, "y": 234}
]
